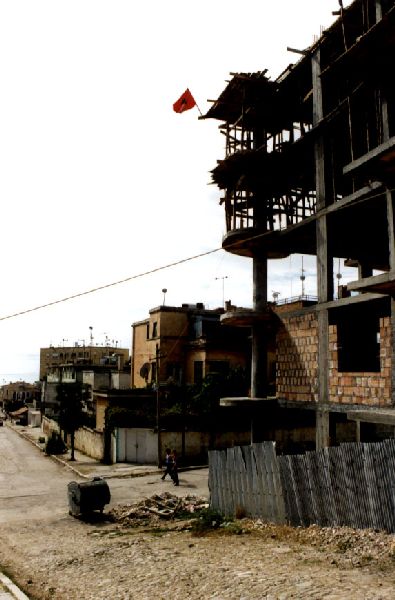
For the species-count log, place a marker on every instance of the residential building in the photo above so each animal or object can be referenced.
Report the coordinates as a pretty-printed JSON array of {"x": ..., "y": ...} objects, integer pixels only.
[
  {"x": 19, "y": 393},
  {"x": 108, "y": 368},
  {"x": 183, "y": 344},
  {"x": 309, "y": 169},
  {"x": 79, "y": 354}
]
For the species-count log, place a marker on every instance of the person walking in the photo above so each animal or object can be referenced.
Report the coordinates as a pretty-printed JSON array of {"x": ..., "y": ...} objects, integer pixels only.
[
  {"x": 168, "y": 465},
  {"x": 174, "y": 470}
]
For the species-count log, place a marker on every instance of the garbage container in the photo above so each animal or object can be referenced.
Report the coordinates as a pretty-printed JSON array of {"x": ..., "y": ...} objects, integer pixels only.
[{"x": 88, "y": 496}]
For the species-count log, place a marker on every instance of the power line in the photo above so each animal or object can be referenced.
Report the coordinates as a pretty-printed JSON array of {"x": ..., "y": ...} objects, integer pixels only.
[
  {"x": 168, "y": 266},
  {"x": 108, "y": 285}
]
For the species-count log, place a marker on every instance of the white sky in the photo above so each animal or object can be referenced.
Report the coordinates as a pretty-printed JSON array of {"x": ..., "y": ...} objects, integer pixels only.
[{"x": 99, "y": 178}]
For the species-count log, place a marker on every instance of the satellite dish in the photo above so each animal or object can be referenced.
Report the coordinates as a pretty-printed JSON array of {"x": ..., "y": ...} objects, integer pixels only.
[{"x": 144, "y": 371}]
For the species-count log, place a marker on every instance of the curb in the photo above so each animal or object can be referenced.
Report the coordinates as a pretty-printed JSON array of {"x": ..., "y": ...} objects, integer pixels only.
[
  {"x": 12, "y": 588},
  {"x": 52, "y": 456},
  {"x": 67, "y": 464}
]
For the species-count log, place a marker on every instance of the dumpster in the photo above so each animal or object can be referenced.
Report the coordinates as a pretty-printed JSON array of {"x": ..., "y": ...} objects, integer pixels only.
[{"x": 88, "y": 496}]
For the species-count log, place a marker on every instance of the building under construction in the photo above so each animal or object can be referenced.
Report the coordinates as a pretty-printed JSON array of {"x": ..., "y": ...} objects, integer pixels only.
[{"x": 309, "y": 169}]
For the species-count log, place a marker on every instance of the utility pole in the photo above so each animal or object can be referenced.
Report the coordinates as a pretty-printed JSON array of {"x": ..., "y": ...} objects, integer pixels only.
[{"x": 157, "y": 357}]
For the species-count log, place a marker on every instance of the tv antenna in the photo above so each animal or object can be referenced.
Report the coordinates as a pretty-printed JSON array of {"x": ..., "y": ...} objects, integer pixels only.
[
  {"x": 223, "y": 287},
  {"x": 275, "y": 296},
  {"x": 164, "y": 291},
  {"x": 303, "y": 278}
]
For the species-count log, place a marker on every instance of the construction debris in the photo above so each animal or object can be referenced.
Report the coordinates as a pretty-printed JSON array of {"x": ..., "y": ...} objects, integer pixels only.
[{"x": 157, "y": 507}]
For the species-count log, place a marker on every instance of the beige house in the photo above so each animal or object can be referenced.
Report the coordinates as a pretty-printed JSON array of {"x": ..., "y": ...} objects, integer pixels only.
[
  {"x": 183, "y": 344},
  {"x": 54, "y": 356},
  {"x": 19, "y": 391}
]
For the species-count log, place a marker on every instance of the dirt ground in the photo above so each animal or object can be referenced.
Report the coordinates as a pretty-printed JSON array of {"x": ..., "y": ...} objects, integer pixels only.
[{"x": 130, "y": 556}]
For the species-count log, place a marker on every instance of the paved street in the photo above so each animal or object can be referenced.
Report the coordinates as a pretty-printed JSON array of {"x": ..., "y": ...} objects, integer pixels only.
[
  {"x": 30, "y": 483},
  {"x": 33, "y": 485}
]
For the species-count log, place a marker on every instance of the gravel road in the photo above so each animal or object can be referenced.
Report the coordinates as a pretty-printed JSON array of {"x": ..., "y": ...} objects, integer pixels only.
[{"x": 52, "y": 555}]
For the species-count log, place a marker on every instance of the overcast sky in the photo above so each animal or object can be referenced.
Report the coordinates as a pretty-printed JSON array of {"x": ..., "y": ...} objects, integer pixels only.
[{"x": 100, "y": 180}]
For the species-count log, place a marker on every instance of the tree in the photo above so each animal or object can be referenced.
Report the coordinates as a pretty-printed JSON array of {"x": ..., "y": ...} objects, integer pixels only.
[{"x": 71, "y": 398}]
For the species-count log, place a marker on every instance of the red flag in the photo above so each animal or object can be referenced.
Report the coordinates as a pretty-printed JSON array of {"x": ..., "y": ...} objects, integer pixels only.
[{"x": 184, "y": 102}]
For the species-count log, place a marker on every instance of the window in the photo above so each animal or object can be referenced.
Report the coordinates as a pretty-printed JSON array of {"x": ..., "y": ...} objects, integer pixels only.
[
  {"x": 174, "y": 371},
  {"x": 153, "y": 372},
  {"x": 197, "y": 371},
  {"x": 358, "y": 343},
  {"x": 221, "y": 367},
  {"x": 154, "y": 329},
  {"x": 147, "y": 331}
]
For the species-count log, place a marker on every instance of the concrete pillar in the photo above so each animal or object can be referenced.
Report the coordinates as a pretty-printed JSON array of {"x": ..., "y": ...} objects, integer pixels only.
[
  {"x": 259, "y": 335},
  {"x": 322, "y": 429}
]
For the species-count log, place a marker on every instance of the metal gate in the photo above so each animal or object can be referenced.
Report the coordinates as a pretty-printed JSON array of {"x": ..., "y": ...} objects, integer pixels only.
[{"x": 136, "y": 445}]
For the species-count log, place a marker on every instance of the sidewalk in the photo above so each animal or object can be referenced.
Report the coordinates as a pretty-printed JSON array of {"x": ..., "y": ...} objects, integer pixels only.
[{"x": 85, "y": 466}]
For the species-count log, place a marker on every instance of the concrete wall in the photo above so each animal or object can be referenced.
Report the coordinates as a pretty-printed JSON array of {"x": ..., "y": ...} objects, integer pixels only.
[
  {"x": 48, "y": 426},
  {"x": 120, "y": 381},
  {"x": 96, "y": 380},
  {"x": 140, "y": 445},
  {"x": 88, "y": 441},
  {"x": 91, "y": 442}
]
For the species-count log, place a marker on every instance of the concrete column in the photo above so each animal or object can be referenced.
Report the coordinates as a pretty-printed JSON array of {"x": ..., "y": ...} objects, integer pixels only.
[
  {"x": 324, "y": 262},
  {"x": 259, "y": 335},
  {"x": 322, "y": 429}
]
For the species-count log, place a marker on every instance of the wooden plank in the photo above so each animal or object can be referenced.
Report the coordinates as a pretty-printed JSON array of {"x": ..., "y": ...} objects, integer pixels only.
[
  {"x": 375, "y": 153},
  {"x": 384, "y": 478},
  {"x": 234, "y": 480},
  {"x": 355, "y": 484},
  {"x": 261, "y": 480},
  {"x": 317, "y": 509},
  {"x": 277, "y": 486},
  {"x": 290, "y": 493},
  {"x": 326, "y": 493},
  {"x": 334, "y": 486},
  {"x": 371, "y": 487},
  {"x": 269, "y": 454},
  {"x": 223, "y": 482},
  {"x": 390, "y": 452},
  {"x": 295, "y": 477},
  {"x": 213, "y": 483},
  {"x": 241, "y": 480},
  {"x": 249, "y": 496},
  {"x": 255, "y": 484},
  {"x": 345, "y": 506}
]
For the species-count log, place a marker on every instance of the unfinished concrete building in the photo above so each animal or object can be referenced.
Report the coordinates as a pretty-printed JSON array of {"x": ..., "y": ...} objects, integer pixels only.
[{"x": 309, "y": 169}]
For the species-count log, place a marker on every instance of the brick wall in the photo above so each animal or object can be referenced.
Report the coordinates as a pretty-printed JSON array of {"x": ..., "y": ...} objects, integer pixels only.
[
  {"x": 369, "y": 388},
  {"x": 297, "y": 367}
]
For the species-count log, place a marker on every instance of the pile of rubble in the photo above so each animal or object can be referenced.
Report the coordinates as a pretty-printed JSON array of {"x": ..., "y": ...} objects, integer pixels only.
[
  {"x": 157, "y": 508},
  {"x": 352, "y": 547},
  {"x": 343, "y": 546}
]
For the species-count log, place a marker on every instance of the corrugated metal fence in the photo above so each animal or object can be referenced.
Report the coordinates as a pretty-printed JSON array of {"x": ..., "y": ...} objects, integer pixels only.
[{"x": 352, "y": 484}]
